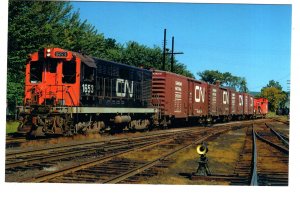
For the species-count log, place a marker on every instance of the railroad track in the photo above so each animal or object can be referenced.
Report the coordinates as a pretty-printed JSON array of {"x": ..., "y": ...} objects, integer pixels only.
[
  {"x": 273, "y": 157},
  {"x": 263, "y": 160},
  {"x": 14, "y": 141},
  {"x": 112, "y": 166},
  {"x": 284, "y": 139},
  {"x": 22, "y": 159},
  {"x": 287, "y": 122}
]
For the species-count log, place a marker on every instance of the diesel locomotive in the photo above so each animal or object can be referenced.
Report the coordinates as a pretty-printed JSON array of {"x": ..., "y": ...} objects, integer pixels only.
[{"x": 69, "y": 92}]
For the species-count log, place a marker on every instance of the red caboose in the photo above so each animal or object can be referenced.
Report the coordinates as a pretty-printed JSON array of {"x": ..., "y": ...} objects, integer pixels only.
[{"x": 260, "y": 107}]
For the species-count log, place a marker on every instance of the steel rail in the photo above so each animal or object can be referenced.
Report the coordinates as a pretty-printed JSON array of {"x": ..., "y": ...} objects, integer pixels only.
[
  {"x": 254, "y": 181},
  {"x": 58, "y": 156},
  {"x": 279, "y": 135},
  {"x": 282, "y": 149},
  {"x": 99, "y": 142},
  {"x": 98, "y": 161},
  {"x": 63, "y": 155},
  {"x": 88, "y": 164}
]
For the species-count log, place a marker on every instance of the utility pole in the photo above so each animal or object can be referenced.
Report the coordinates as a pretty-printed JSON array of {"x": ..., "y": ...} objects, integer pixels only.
[
  {"x": 172, "y": 55},
  {"x": 164, "y": 50}
]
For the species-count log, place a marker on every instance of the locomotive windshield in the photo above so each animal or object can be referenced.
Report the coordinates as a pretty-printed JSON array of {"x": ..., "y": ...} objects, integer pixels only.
[
  {"x": 36, "y": 70},
  {"x": 69, "y": 72}
]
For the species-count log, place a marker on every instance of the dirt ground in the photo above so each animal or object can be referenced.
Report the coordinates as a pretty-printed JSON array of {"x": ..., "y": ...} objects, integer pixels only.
[{"x": 222, "y": 155}]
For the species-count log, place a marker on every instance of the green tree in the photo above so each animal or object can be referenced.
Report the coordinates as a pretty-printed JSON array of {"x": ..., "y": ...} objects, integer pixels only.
[
  {"x": 226, "y": 79},
  {"x": 275, "y": 84},
  {"x": 211, "y": 76},
  {"x": 274, "y": 95}
]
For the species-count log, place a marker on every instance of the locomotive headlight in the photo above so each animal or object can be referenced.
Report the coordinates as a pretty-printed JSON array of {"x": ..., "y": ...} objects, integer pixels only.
[{"x": 48, "y": 52}]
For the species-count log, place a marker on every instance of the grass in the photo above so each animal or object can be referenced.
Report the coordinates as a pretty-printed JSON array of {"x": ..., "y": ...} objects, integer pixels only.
[
  {"x": 273, "y": 115},
  {"x": 11, "y": 126}
]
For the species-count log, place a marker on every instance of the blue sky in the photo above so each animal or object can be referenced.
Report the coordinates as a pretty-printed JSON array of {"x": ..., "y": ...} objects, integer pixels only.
[{"x": 251, "y": 41}]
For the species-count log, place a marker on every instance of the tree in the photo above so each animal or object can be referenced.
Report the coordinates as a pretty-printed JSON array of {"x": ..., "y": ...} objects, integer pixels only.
[
  {"x": 142, "y": 56},
  {"x": 274, "y": 95},
  {"x": 226, "y": 79},
  {"x": 275, "y": 84}
]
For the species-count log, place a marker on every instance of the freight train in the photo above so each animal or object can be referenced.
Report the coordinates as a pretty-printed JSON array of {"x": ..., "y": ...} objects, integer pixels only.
[{"x": 68, "y": 92}]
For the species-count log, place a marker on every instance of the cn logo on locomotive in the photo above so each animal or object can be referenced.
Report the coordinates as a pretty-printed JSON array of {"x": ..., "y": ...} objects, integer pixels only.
[
  {"x": 199, "y": 94},
  {"x": 122, "y": 87}
]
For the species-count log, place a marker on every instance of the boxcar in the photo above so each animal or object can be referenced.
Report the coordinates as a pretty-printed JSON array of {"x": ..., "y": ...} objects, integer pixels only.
[
  {"x": 218, "y": 102},
  {"x": 169, "y": 95},
  {"x": 251, "y": 106},
  {"x": 240, "y": 104},
  {"x": 179, "y": 98},
  {"x": 197, "y": 99}
]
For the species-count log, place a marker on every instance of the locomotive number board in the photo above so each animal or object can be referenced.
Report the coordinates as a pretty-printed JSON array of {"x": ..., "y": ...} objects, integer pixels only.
[{"x": 61, "y": 54}]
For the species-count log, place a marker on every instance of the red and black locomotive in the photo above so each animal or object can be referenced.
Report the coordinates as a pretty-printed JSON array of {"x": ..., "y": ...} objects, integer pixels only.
[{"x": 68, "y": 92}]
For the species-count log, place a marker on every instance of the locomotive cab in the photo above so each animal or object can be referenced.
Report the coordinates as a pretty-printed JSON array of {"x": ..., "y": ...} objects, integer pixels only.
[{"x": 52, "y": 78}]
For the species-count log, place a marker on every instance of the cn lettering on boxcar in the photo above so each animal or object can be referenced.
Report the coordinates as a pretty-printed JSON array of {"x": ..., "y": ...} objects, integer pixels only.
[
  {"x": 199, "y": 94},
  {"x": 225, "y": 97}
]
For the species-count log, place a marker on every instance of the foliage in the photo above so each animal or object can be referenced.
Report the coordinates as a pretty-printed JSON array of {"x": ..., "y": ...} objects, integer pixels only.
[
  {"x": 37, "y": 24},
  {"x": 275, "y": 84},
  {"x": 226, "y": 79},
  {"x": 273, "y": 92},
  {"x": 12, "y": 126},
  {"x": 146, "y": 57}
]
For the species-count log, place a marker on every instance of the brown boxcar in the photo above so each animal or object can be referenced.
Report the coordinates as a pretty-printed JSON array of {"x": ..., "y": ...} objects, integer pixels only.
[
  {"x": 251, "y": 104},
  {"x": 218, "y": 101},
  {"x": 239, "y": 104},
  {"x": 224, "y": 104},
  {"x": 197, "y": 98},
  {"x": 233, "y": 100},
  {"x": 169, "y": 92},
  {"x": 213, "y": 91},
  {"x": 246, "y": 103}
]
